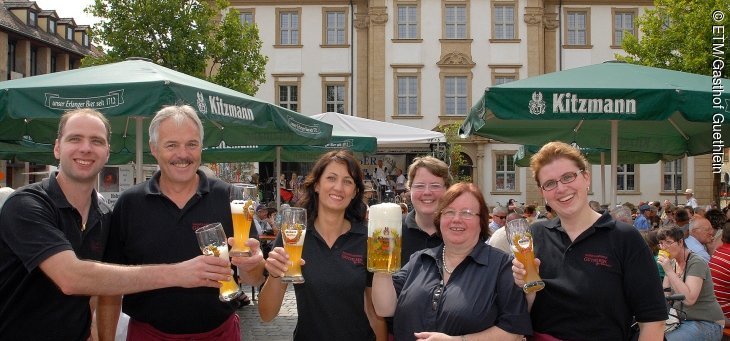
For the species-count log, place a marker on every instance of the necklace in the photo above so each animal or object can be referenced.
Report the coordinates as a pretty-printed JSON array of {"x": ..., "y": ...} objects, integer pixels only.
[{"x": 443, "y": 258}]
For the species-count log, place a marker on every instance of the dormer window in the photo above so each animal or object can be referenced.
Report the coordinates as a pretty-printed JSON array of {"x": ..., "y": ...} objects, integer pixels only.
[
  {"x": 51, "y": 26},
  {"x": 32, "y": 19},
  {"x": 85, "y": 39},
  {"x": 69, "y": 33}
]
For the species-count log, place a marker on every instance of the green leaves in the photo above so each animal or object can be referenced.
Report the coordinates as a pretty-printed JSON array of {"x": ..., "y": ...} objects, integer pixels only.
[{"x": 187, "y": 36}]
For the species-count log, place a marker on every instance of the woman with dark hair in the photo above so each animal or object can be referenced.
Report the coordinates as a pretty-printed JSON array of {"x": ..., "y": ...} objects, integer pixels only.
[
  {"x": 337, "y": 283},
  {"x": 689, "y": 275},
  {"x": 599, "y": 273},
  {"x": 463, "y": 288}
]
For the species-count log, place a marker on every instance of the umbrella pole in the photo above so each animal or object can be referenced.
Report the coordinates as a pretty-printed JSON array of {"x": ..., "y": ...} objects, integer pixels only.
[
  {"x": 138, "y": 149},
  {"x": 614, "y": 160},
  {"x": 603, "y": 177},
  {"x": 278, "y": 176}
]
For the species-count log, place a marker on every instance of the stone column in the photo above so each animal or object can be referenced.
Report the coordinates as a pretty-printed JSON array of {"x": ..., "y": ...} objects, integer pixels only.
[
  {"x": 535, "y": 41},
  {"x": 376, "y": 68},
  {"x": 44, "y": 60},
  {"x": 551, "y": 41},
  {"x": 4, "y": 58},
  {"x": 22, "y": 57},
  {"x": 361, "y": 23},
  {"x": 62, "y": 60}
]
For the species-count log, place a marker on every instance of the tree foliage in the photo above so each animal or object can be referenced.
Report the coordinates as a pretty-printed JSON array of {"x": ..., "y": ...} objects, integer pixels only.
[
  {"x": 678, "y": 35},
  {"x": 454, "y": 151},
  {"x": 184, "y": 35}
]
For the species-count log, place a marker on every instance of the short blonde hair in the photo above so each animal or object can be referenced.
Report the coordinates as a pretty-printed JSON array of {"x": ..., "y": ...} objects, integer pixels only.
[{"x": 553, "y": 151}]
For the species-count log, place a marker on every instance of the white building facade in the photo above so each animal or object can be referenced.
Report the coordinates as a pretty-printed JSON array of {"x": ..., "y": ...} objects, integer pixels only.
[{"x": 423, "y": 63}]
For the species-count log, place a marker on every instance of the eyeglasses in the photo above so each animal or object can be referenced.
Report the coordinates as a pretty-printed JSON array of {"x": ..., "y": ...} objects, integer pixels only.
[
  {"x": 422, "y": 187},
  {"x": 564, "y": 179},
  {"x": 437, "y": 296},
  {"x": 463, "y": 214},
  {"x": 500, "y": 216},
  {"x": 665, "y": 243}
]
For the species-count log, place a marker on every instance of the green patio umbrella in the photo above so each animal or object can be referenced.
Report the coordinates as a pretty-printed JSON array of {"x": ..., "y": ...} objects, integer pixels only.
[
  {"x": 615, "y": 106},
  {"x": 593, "y": 155},
  {"x": 130, "y": 92}
]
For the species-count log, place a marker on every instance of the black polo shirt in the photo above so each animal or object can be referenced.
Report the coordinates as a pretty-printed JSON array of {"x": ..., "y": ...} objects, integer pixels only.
[
  {"x": 414, "y": 239},
  {"x": 36, "y": 223},
  {"x": 148, "y": 228},
  {"x": 481, "y": 293},
  {"x": 330, "y": 303},
  {"x": 596, "y": 284}
]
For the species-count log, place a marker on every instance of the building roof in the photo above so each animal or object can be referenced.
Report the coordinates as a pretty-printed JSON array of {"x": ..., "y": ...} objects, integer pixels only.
[{"x": 10, "y": 23}]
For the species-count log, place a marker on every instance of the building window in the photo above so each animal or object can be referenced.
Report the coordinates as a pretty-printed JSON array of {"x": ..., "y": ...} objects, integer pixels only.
[
  {"x": 32, "y": 19},
  {"x": 289, "y": 97},
  {"x": 246, "y": 18},
  {"x": 672, "y": 174},
  {"x": 626, "y": 177},
  {"x": 69, "y": 33},
  {"x": 504, "y": 22},
  {"x": 623, "y": 21},
  {"x": 455, "y": 22},
  {"x": 85, "y": 39},
  {"x": 505, "y": 176},
  {"x": 407, "y": 96},
  {"x": 51, "y": 26},
  {"x": 288, "y": 27},
  {"x": 503, "y": 79},
  {"x": 336, "y": 27},
  {"x": 577, "y": 28},
  {"x": 53, "y": 63},
  {"x": 455, "y": 95},
  {"x": 407, "y": 22},
  {"x": 11, "y": 57},
  {"x": 33, "y": 61},
  {"x": 335, "y": 98}
]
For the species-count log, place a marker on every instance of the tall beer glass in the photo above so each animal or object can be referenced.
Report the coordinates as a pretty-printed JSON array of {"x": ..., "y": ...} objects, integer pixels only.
[
  {"x": 242, "y": 212},
  {"x": 520, "y": 240},
  {"x": 212, "y": 241},
  {"x": 384, "y": 237},
  {"x": 293, "y": 231}
]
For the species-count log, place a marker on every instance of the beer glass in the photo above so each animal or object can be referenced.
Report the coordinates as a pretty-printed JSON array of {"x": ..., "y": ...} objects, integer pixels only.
[
  {"x": 212, "y": 241},
  {"x": 242, "y": 212},
  {"x": 384, "y": 237},
  {"x": 293, "y": 230},
  {"x": 520, "y": 240}
]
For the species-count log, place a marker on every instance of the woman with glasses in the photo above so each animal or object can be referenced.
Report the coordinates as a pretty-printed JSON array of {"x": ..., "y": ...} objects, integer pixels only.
[
  {"x": 599, "y": 273},
  {"x": 462, "y": 289},
  {"x": 689, "y": 275}
]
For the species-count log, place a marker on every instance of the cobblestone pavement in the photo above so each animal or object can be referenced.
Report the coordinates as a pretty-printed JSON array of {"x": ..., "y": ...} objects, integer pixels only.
[{"x": 280, "y": 329}]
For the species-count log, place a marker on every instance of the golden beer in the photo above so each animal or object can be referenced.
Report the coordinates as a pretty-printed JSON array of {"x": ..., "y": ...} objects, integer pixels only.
[
  {"x": 385, "y": 226},
  {"x": 520, "y": 239},
  {"x": 229, "y": 289},
  {"x": 212, "y": 241},
  {"x": 664, "y": 253},
  {"x": 293, "y": 238},
  {"x": 242, "y": 215}
]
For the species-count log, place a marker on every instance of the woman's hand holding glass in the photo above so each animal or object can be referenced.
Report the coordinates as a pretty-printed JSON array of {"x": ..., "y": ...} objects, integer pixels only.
[
  {"x": 519, "y": 273},
  {"x": 278, "y": 262}
]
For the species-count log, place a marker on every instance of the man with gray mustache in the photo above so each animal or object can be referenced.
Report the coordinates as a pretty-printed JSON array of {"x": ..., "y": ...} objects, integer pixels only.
[{"x": 155, "y": 222}]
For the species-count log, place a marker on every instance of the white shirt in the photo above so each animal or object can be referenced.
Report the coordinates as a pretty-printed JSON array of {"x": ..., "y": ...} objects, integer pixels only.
[
  {"x": 692, "y": 202},
  {"x": 380, "y": 175}
]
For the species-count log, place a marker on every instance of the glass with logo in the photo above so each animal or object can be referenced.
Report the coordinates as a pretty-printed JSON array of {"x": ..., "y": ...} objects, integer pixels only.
[
  {"x": 293, "y": 230},
  {"x": 242, "y": 212},
  {"x": 520, "y": 240},
  {"x": 212, "y": 241},
  {"x": 384, "y": 237}
]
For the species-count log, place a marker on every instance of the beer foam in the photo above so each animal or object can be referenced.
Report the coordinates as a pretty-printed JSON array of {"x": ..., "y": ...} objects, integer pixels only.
[
  {"x": 237, "y": 206},
  {"x": 385, "y": 215}
]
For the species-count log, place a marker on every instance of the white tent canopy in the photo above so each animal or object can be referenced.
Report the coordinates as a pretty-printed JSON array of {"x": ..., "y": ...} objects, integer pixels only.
[{"x": 388, "y": 134}]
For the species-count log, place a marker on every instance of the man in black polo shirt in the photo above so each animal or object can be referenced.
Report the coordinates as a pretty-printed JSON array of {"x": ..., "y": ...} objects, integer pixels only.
[
  {"x": 155, "y": 221},
  {"x": 52, "y": 234}
]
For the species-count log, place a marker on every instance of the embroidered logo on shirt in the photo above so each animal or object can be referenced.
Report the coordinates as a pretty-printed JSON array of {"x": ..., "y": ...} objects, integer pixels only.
[
  {"x": 598, "y": 260},
  {"x": 354, "y": 259},
  {"x": 198, "y": 225}
]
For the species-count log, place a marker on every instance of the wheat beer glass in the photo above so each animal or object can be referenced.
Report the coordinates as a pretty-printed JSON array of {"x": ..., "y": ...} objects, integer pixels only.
[
  {"x": 293, "y": 231},
  {"x": 520, "y": 240},
  {"x": 212, "y": 241},
  {"x": 242, "y": 212},
  {"x": 384, "y": 237}
]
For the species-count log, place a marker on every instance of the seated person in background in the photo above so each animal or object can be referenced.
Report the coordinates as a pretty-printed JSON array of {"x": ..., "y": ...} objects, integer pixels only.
[{"x": 720, "y": 270}]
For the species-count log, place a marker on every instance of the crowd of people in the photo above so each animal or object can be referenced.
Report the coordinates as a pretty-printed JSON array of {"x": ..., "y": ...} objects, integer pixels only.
[{"x": 64, "y": 250}]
